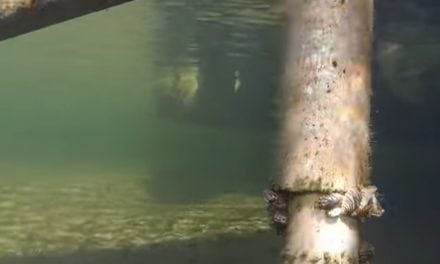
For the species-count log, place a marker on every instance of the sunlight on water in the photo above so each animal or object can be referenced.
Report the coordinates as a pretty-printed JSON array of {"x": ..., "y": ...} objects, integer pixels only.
[
  {"x": 90, "y": 159},
  {"x": 152, "y": 126},
  {"x": 41, "y": 219}
]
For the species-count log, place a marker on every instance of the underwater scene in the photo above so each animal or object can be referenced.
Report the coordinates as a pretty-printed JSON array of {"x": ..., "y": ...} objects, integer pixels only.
[{"x": 147, "y": 132}]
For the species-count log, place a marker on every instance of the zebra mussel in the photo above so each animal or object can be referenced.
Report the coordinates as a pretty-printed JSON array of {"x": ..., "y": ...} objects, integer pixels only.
[
  {"x": 366, "y": 253},
  {"x": 276, "y": 200},
  {"x": 360, "y": 202}
]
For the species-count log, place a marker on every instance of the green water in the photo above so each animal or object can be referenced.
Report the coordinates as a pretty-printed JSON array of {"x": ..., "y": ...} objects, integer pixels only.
[
  {"x": 145, "y": 134},
  {"x": 91, "y": 159},
  {"x": 74, "y": 97}
]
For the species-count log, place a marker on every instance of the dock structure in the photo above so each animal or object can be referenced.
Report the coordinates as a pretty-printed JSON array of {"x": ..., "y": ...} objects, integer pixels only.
[{"x": 19, "y": 17}]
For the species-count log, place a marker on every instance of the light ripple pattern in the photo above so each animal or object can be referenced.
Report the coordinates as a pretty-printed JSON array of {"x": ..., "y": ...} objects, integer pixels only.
[{"x": 42, "y": 219}]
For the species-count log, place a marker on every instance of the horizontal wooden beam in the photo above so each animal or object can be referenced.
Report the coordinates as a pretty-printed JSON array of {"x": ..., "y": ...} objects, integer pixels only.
[{"x": 22, "y": 16}]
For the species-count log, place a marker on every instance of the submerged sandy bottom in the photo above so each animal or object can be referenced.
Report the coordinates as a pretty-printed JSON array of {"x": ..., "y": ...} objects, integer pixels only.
[{"x": 39, "y": 220}]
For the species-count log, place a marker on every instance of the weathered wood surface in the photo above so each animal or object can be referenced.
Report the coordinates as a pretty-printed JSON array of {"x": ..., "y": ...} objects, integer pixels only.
[
  {"x": 325, "y": 134},
  {"x": 22, "y": 16},
  {"x": 325, "y": 125}
]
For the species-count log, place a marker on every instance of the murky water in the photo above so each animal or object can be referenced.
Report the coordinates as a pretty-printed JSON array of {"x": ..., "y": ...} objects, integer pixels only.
[
  {"x": 109, "y": 140},
  {"x": 145, "y": 133}
]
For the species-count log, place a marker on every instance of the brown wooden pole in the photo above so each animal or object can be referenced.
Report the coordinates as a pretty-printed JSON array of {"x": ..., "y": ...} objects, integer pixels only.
[
  {"x": 22, "y": 16},
  {"x": 324, "y": 144}
]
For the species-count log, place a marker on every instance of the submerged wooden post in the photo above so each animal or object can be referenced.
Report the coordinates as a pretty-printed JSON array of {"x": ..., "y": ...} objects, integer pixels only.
[
  {"x": 324, "y": 146},
  {"x": 22, "y": 16}
]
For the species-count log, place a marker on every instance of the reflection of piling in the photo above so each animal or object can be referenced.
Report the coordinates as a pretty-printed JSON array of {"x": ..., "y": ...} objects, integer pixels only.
[
  {"x": 325, "y": 129},
  {"x": 21, "y": 16}
]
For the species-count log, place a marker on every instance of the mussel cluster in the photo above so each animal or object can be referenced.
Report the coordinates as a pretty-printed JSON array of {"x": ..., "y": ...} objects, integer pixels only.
[
  {"x": 360, "y": 202},
  {"x": 276, "y": 200},
  {"x": 366, "y": 253}
]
